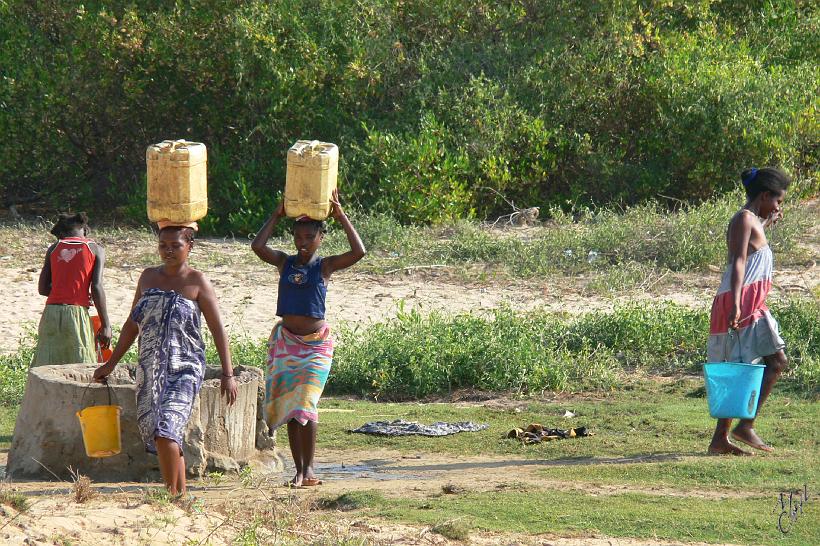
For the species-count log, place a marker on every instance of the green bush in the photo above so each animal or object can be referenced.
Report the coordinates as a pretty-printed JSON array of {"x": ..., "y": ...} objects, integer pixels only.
[
  {"x": 434, "y": 104},
  {"x": 415, "y": 356},
  {"x": 14, "y": 370}
]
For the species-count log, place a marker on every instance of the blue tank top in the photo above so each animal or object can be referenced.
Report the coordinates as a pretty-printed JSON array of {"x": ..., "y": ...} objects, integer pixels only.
[{"x": 302, "y": 289}]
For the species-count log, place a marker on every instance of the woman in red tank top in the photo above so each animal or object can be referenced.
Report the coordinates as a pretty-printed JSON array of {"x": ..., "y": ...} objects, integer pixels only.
[{"x": 71, "y": 277}]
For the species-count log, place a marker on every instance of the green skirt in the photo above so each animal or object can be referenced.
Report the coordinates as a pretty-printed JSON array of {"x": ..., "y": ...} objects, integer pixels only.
[{"x": 65, "y": 336}]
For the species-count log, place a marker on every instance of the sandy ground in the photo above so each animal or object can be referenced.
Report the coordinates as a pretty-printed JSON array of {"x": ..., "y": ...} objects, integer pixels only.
[
  {"x": 120, "y": 513},
  {"x": 247, "y": 296},
  {"x": 225, "y": 512}
]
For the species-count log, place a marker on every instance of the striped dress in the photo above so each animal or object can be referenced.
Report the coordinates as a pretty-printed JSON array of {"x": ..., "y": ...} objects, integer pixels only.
[
  {"x": 758, "y": 334},
  {"x": 297, "y": 370}
]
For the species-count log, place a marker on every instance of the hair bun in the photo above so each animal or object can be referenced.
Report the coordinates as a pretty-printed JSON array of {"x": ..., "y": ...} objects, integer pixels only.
[{"x": 748, "y": 176}]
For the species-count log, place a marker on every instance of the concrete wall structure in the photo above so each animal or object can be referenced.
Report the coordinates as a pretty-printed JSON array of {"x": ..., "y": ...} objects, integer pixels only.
[{"x": 48, "y": 440}]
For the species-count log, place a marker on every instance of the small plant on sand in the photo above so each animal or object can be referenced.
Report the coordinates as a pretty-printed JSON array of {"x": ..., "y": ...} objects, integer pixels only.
[
  {"x": 451, "y": 529},
  {"x": 81, "y": 487},
  {"x": 213, "y": 479},
  {"x": 16, "y": 500},
  {"x": 157, "y": 496},
  {"x": 246, "y": 476},
  {"x": 250, "y": 534}
]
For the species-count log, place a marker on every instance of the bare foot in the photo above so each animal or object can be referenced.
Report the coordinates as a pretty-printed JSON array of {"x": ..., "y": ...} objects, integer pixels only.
[
  {"x": 295, "y": 482},
  {"x": 748, "y": 436},
  {"x": 726, "y": 448}
]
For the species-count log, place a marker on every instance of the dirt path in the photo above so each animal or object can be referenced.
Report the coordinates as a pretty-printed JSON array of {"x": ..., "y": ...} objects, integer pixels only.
[
  {"x": 122, "y": 513},
  {"x": 124, "y": 518}
]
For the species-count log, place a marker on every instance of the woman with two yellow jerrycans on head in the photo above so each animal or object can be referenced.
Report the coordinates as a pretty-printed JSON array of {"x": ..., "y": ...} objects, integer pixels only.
[{"x": 742, "y": 328}]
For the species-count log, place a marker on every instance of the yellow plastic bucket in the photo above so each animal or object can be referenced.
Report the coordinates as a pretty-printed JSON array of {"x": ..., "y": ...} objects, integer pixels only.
[{"x": 101, "y": 430}]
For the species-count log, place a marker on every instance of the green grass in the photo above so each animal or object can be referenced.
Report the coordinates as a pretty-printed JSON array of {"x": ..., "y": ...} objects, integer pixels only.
[
  {"x": 14, "y": 369},
  {"x": 8, "y": 415},
  {"x": 665, "y": 424},
  {"x": 16, "y": 500},
  {"x": 643, "y": 239},
  {"x": 630, "y": 247},
  {"x": 650, "y": 442},
  {"x": 734, "y": 520}
]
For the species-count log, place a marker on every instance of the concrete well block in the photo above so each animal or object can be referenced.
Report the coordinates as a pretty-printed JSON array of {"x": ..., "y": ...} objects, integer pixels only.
[{"x": 48, "y": 440}]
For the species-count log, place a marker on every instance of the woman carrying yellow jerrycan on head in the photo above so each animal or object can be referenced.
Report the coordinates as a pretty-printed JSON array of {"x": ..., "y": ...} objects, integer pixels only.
[
  {"x": 166, "y": 316},
  {"x": 300, "y": 349},
  {"x": 71, "y": 277}
]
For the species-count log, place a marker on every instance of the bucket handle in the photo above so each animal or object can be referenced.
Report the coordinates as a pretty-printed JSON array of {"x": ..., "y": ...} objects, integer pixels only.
[
  {"x": 108, "y": 388},
  {"x": 729, "y": 334}
]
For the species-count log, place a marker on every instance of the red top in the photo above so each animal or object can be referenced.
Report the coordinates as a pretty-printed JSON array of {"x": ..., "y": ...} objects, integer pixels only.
[{"x": 72, "y": 262}]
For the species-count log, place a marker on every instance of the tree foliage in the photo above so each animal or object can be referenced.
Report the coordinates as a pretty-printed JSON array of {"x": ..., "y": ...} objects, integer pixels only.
[{"x": 434, "y": 103}]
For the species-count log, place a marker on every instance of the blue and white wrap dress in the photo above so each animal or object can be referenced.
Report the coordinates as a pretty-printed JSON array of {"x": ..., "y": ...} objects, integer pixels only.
[{"x": 171, "y": 364}]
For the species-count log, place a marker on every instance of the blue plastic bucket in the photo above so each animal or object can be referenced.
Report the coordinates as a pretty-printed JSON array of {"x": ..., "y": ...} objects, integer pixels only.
[{"x": 732, "y": 389}]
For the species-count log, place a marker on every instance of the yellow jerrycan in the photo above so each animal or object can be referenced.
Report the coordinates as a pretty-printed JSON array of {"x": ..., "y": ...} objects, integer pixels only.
[
  {"x": 177, "y": 181},
  {"x": 311, "y": 178}
]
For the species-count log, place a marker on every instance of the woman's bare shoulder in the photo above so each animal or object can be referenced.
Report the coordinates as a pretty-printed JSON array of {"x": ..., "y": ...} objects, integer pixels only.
[
  {"x": 744, "y": 218},
  {"x": 195, "y": 275},
  {"x": 149, "y": 272}
]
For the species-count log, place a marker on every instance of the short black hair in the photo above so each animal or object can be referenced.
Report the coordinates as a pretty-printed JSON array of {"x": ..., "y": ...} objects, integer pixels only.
[
  {"x": 185, "y": 232},
  {"x": 771, "y": 179},
  {"x": 318, "y": 226},
  {"x": 66, "y": 223}
]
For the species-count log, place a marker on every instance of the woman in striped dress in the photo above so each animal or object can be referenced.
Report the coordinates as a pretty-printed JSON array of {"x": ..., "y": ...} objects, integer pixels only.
[
  {"x": 742, "y": 328},
  {"x": 300, "y": 349}
]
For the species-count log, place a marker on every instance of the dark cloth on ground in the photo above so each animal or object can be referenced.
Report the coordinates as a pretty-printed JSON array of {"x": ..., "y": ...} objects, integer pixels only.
[{"x": 400, "y": 427}]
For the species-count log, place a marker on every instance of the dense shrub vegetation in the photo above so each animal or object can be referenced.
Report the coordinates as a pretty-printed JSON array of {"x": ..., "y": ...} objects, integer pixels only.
[
  {"x": 415, "y": 356},
  {"x": 433, "y": 102}
]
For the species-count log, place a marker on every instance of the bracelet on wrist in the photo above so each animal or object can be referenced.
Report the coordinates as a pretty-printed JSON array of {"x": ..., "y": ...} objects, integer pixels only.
[{"x": 225, "y": 375}]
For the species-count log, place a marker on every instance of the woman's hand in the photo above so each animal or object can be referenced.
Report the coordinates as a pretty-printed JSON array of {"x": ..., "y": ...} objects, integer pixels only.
[
  {"x": 227, "y": 387},
  {"x": 773, "y": 219},
  {"x": 734, "y": 318},
  {"x": 280, "y": 210},
  {"x": 104, "y": 336},
  {"x": 337, "y": 213},
  {"x": 101, "y": 373}
]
